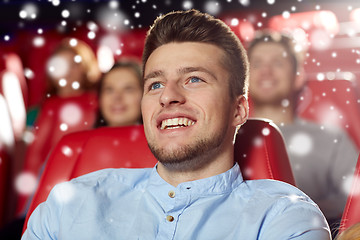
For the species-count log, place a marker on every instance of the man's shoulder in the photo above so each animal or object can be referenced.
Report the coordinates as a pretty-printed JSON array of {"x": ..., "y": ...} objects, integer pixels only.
[
  {"x": 314, "y": 127},
  {"x": 273, "y": 191},
  {"x": 130, "y": 177},
  {"x": 271, "y": 186},
  {"x": 326, "y": 133}
]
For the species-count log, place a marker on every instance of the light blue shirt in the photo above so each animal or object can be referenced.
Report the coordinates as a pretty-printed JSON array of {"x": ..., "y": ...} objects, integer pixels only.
[{"x": 139, "y": 204}]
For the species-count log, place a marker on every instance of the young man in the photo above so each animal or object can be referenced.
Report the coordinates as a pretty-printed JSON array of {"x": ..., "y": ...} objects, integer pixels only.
[
  {"x": 321, "y": 159},
  {"x": 195, "y": 82}
]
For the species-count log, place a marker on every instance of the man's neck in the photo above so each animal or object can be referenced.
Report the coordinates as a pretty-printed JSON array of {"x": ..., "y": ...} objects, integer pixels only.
[
  {"x": 278, "y": 114},
  {"x": 221, "y": 164}
]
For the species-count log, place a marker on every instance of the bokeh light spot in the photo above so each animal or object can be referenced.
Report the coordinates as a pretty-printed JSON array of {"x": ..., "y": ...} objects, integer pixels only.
[
  {"x": 57, "y": 67},
  {"x": 212, "y": 7},
  {"x": 300, "y": 144},
  {"x": 67, "y": 151},
  {"x": 77, "y": 59},
  {"x": 265, "y": 131},
  {"x": 64, "y": 192},
  {"x": 187, "y": 5},
  {"x": 351, "y": 185},
  {"x": 25, "y": 183},
  {"x": 62, "y": 82},
  {"x": 75, "y": 85},
  {"x": 65, "y": 13},
  {"x": 63, "y": 127},
  {"x": 38, "y": 41},
  {"x": 71, "y": 114}
]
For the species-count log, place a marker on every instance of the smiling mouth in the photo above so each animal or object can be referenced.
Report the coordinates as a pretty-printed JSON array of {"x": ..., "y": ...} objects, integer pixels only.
[
  {"x": 266, "y": 84},
  {"x": 173, "y": 123}
]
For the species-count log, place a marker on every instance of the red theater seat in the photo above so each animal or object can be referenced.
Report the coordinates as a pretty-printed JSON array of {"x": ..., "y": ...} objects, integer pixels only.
[
  {"x": 35, "y": 50},
  {"x": 7, "y": 145},
  {"x": 58, "y": 117},
  {"x": 261, "y": 155},
  {"x": 4, "y": 183},
  {"x": 352, "y": 208},
  {"x": 332, "y": 102}
]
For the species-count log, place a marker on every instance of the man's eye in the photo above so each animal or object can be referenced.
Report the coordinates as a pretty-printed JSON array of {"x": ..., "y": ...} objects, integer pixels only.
[
  {"x": 195, "y": 80},
  {"x": 155, "y": 86}
]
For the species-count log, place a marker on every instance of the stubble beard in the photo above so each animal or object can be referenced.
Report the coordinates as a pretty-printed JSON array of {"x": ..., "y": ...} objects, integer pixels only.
[{"x": 192, "y": 156}]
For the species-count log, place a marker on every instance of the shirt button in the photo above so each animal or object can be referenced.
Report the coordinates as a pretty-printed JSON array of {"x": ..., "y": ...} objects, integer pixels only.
[
  {"x": 169, "y": 218},
  {"x": 171, "y": 194}
]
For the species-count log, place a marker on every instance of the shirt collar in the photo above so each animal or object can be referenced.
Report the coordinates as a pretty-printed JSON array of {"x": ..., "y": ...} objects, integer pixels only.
[{"x": 218, "y": 184}]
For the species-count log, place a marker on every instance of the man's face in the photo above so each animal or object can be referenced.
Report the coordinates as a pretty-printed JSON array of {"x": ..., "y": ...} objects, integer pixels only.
[
  {"x": 272, "y": 74},
  {"x": 187, "y": 111}
]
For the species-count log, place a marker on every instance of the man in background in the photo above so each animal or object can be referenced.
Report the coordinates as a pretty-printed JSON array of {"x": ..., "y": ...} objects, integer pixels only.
[{"x": 321, "y": 158}]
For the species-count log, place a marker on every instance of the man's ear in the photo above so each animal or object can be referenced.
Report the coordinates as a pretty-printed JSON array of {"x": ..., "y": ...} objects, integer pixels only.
[
  {"x": 300, "y": 79},
  {"x": 241, "y": 111}
]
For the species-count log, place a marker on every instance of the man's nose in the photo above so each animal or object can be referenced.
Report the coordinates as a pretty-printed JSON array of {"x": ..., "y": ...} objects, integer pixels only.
[
  {"x": 172, "y": 94},
  {"x": 266, "y": 68}
]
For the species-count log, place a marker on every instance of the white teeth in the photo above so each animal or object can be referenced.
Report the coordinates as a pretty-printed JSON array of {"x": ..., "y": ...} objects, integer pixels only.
[{"x": 176, "y": 123}]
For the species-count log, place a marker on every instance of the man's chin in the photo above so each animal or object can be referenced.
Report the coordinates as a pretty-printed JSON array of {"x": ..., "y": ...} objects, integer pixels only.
[{"x": 187, "y": 157}]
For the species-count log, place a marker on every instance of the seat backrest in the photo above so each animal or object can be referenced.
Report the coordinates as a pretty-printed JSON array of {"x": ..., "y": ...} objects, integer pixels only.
[
  {"x": 352, "y": 208},
  {"x": 262, "y": 154},
  {"x": 7, "y": 146},
  {"x": 333, "y": 102},
  {"x": 58, "y": 117},
  {"x": 4, "y": 182},
  {"x": 41, "y": 46}
]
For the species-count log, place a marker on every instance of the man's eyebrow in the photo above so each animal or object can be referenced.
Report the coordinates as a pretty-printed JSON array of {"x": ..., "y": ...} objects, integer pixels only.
[
  {"x": 154, "y": 74},
  {"x": 181, "y": 71},
  {"x": 195, "y": 69}
]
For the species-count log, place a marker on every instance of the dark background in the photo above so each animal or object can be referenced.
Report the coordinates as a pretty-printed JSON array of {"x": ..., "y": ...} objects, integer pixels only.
[{"x": 81, "y": 11}]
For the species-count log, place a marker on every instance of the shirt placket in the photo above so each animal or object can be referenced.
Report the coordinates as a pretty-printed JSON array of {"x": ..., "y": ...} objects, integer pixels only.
[{"x": 177, "y": 202}]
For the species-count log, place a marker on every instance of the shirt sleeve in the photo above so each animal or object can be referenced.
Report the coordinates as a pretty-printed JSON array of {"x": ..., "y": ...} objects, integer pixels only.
[
  {"x": 296, "y": 218},
  {"x": 44, "y": 221}
]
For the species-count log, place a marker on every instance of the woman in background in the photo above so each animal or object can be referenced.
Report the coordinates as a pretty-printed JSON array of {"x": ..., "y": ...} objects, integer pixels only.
[
  {"x": 120, "y": 91},
  {"x": 70, "y": 104}
]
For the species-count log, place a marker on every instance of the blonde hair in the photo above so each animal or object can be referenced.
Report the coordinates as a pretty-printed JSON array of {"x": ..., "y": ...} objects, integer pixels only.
[
  {"x": 351, "y": 233},
  {"x": 89, "y": 62}
]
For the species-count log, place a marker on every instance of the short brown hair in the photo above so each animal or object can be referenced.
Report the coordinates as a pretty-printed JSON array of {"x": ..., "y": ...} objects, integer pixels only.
[
  {"x": 280, "y": 38},
  {"x": 194, "y": 26}
]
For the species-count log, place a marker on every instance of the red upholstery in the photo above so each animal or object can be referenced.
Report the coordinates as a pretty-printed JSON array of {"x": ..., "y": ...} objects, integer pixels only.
[
  {"x": 332, "y": 102},
  {"x": 7, "y": 145},
  {"x": 82, "y": 152},
  {"x": 87, "y": 151},
  {"x": 4, "y": 182},
  {"x": 28, "y": 50},
  {"x": 352, "y": 208},
  {"x": 263, "y": 154},
  {"x": 58, "y": 117}
]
